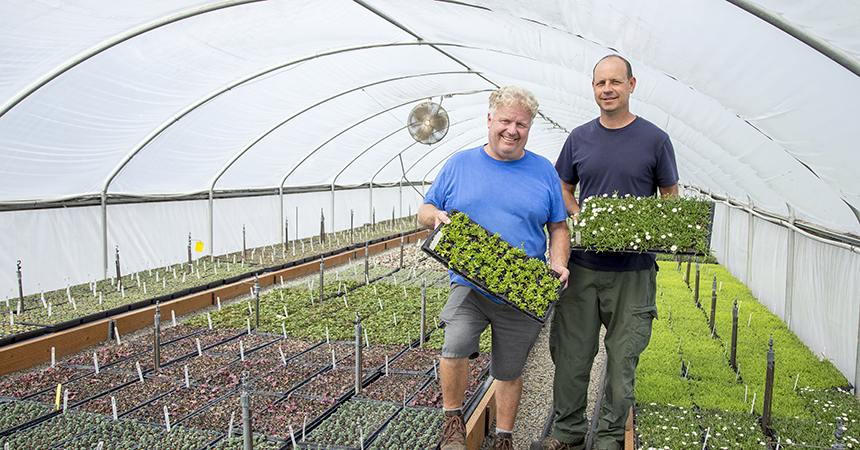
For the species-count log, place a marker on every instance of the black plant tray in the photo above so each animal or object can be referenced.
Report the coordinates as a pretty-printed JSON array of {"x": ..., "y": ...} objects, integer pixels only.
[
  {"x": 575, "y": 243},
  {"x": 429, "y": 247}
]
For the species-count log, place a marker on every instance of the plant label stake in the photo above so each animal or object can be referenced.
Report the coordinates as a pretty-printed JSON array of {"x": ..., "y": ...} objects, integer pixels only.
[
  {"x": 54, "y": 357},
  {"x": 156, "y": 338},
  {"x": 753, "y": 404},
  {"x": 199, "y": 350},
  {"x": 284, "y": 329},
  {"x": 283, "y": 357},
  {"x": 59, "y": 390},
  {"x": 248, "y": 322},
  {"x": 386, "y": 365},
  {"x": 218, "y": 299},
  {"x": 173, "y": 316},
  {"x": 333, "y": 361},
  {"x": 768, "y": 388},
  {"x": 209, "y": 319},
  {"x": 322, "y": 227},
  {"x": 746, "y": 391},
  {"x": 166, "y": 419},
  {"x": 96, "y": 362},
  {"x": 116, "y": 334},
  {"x": 230, "y": 430},
  {"x": 327, "y": 341},
  {"x": 65, "y": 400},
  {"x": 49, "y": 309},
  {"x": 241, "y": 351},
  {"x": 401, "y": 244},
  {"x": 256, "y": 302},
  {"x": 293, "y": 437},
  {"x": 113, "y": 407},
  {"x": 187, "y": 382},
  {"x": 796, "y": 379},
  {"x": 380, "y": 302},
  {"x": 139, "y": 372},
  {"x": 322, "y": 269},
  {"x": 749, "y": 320},
  {"x": 366, "y": 340}
]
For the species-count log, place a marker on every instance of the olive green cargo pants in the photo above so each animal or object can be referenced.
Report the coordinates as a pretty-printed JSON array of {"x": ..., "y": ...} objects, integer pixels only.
[{"x": 624, "y": 302}]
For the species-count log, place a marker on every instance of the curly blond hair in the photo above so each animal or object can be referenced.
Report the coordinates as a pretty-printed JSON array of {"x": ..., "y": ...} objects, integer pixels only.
[{"x": 514, "y": 96}]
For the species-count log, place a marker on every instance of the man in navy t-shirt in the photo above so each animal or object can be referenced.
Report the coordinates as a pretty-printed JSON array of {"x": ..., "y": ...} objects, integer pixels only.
[
  {"x": 515, "y": 193},
  {"x": 616, "y": 153}
]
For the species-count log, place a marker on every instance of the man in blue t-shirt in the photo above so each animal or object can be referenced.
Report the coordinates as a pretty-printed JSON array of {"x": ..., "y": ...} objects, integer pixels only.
[
  {"x": 616, "y": 153},
  {"x": 515, "y": 193}
]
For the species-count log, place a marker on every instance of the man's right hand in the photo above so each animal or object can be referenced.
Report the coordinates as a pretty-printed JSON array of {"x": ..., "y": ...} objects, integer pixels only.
[{"x": 441, "y": 217}]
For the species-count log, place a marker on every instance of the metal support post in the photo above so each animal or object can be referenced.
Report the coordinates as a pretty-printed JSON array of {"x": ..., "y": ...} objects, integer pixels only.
[
  {"x": 156, "y": 338},
  {"x": 696, "y": 291},
  {"x": 689, "y": 263},
  {"x": 351, "y": 226},
  {"x": 367, "y": 262},
  {"x": 712, "y": 322},
  {"x": 189, "y": 249},
  {"x": 423, "y": 312},
  {"x": 245, "y": 400},
  {"x": 244, "y": 247},
  {"x": 322, "y": 226},
  {"x": 768, "y": 389},
  {"x": 733, "y": 361},
  {"x": 20, "y": 287},
  {"x": 118, "y": 271},
  {"x": 358, "y": 355},
  {"x": 838, "y": 445}
]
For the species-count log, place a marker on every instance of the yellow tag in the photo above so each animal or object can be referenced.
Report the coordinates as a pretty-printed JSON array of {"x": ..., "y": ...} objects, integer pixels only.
[
  {"x": 198, "y": 247},
  {"x": 59, "y": 389}
]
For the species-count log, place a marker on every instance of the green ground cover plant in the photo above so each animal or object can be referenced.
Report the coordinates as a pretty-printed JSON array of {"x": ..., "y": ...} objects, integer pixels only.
[{"x": 684, "y": 375}]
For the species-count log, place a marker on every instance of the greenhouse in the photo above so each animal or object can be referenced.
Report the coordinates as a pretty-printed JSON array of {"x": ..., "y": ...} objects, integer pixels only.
[{"x": 247, "y": 175}]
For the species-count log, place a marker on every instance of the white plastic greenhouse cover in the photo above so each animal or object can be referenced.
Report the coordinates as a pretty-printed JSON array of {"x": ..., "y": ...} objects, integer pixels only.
[{"x": 108, "y": 100}]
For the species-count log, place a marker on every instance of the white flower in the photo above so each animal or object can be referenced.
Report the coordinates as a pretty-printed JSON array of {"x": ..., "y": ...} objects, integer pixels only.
[
  {"x": 670, "y": 234},
  {"x": 662, "y": 236},
  {"x": 674, "y": 247},
  {"x": 674, "y": 209},
  {"x": 594, "y": 232},
  {"x": 659, "y": 205}
]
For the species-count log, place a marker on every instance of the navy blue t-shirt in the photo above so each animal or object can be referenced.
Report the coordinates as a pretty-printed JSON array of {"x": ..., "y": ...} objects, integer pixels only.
[{"x": 635, "y": 160}]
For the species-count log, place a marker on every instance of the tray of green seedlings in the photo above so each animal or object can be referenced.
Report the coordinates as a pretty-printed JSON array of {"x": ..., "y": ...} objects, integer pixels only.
[
  {"x": 17, "y": 414},
  {"x": 502, "y": 271},
  {"x": 411, "y": 429},
  {"x": 296, "y": 413},
  {"x": 353, "y": 424},
  {"x": 663, "y": 225}
]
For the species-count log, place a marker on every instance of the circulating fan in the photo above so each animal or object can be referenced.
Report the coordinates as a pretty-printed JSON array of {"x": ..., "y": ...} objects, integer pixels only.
[{"x": 428, "y": 123}]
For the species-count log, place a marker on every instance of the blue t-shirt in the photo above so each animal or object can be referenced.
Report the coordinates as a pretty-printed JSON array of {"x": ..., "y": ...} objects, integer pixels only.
[
  {"x": 635, "y": 160},
  {"x": 512, "y": 198}
]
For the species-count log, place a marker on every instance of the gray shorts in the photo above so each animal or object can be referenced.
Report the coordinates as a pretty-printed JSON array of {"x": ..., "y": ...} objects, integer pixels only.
[{"x": 468, "y": 312}]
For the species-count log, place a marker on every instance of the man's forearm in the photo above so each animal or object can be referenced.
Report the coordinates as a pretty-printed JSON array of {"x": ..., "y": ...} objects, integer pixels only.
[
  {"x": 427, "y": 215},
  {"x": 559, "y": 244}
]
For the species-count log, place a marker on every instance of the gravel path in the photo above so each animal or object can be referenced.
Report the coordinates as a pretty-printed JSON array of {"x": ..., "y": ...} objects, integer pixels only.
[{"x": 537, "y": 392}]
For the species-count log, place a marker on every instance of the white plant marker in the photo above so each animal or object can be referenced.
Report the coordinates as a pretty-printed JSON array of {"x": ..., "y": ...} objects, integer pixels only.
[
  {"x": 139, "y": 372},
  {"x": 144, "y": 287},
  {"x": 209, "y": 319},
  {"x": 282, "y": 297},
  {"x": 199, "y": 350},
  {"x": 45, "y": 305},
  {"x": 116, "y": 334},
  {"x": 386, "y": 365},
  {"x": 304, "y": 425},
  {"x": 65, "y": 400},
  {"x": 361, "y": 439},
  {"x": 283, "y": 357},
  {"x": 380, "y": 303},
  {"x": 113, "y": 406},
  {"x": 75, "y": 305},
  {"x": 187, "y": 383},
  {"x": 248, "y": 322},
  {"x": 166, "y": 419},
  {"x": 344, "y": 302},
  {"x": 749, "y": 320},
  {"x": 286, "y": 314},
  {"x": 404, "y": 292},
  {"x": 327, "y": 340},
  {"x": 230, "y": 430},
  {"x": 746, "y": 391},
  {"x": 374, "y": 290},
  {"x": 753, "y": 404},
  {"x": 241, "y": 351},
  {"x": 282, "y": 282},
  {"x": 173, "y": 317},
  {"x": 707, "y": 434},
  {"x": 164, "y": 282},
  {"x": 436, "y": 322},
  {"x": 174, "y": 273},
  {"x": 796, "y": 379},
  {"x": 183, "y": 277},
  {"x": 366, "y": 340},
  {"x": 284, "y": 329},
  {"x": 53, "y": 356},
  {"x": 96, "y": 362},
  {"x": 292, "y": 435},
  {"x": 395, "y": 318},
  {"x": 250, "y": 310},
  {"x": 49, "y": 309},
  {"x": 333, "y": 362},
  {"x": 218, "y": 300}
]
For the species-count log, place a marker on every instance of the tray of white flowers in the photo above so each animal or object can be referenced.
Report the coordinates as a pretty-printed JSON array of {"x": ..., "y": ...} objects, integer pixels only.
[{"x": 667, "y": 225}]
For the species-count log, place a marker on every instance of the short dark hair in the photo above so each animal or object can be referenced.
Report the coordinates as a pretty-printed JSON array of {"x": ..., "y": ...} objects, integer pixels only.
[{"x": 627, "y": 63}]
